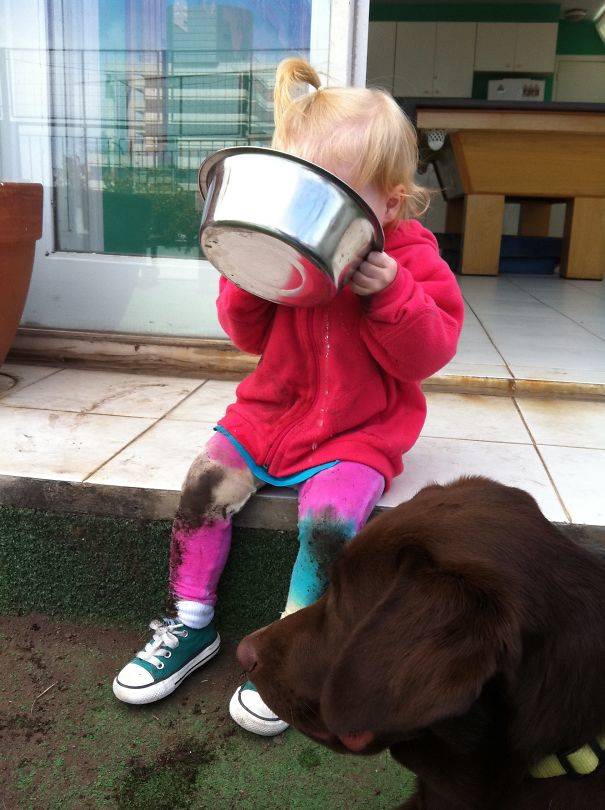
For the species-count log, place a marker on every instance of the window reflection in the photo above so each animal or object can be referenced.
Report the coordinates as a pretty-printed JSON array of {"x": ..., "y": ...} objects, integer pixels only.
[{"x": 141, "y": 92}]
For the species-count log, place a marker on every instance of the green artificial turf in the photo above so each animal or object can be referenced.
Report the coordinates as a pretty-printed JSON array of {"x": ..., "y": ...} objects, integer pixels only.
[
  {"x": 75, "y": 596},
  {"x": 115, "y": 570},
  {"x": 66, "y": 743}
]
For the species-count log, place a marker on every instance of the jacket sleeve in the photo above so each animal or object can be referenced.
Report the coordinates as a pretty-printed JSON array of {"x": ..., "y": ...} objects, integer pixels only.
[
  {"x": 413, "y": 325},
  {"x": 244, "y": 317}
]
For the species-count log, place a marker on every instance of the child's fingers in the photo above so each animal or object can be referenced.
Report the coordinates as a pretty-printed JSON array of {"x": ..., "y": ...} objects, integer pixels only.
[
  {"x": 379, "y": 259},
  {"x": 363, "y": 280},
  {"x": 358, "y": 290},
  {"x": 370, "y": 270},
  {"x": 363, "y": 285}
]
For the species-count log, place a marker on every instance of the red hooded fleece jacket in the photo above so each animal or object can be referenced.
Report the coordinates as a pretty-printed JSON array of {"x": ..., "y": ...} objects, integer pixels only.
[{"x": 342, "y": 381}]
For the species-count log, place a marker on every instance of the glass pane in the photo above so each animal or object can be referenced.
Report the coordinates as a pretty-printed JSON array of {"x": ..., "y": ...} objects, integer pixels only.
[{"x": 142, "y": 91}]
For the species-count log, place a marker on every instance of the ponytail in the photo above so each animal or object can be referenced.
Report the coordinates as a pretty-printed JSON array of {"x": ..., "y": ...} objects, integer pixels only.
[
  {"x": 359, "y": 126},
  {"x": 290, "y": 73}
]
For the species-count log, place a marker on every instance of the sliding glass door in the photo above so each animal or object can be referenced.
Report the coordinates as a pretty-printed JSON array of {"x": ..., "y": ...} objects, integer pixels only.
[
  {"x": 113, "y": 104},
  {"x": 141, "y": 92}
]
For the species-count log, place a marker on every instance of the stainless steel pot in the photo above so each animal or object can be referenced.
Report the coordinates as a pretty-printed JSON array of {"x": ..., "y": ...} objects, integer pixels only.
[{"x": 281, "y": 227}]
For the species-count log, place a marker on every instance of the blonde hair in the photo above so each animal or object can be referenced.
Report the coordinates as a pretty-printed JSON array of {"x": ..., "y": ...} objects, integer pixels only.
[{"x": 362, "y": 127}]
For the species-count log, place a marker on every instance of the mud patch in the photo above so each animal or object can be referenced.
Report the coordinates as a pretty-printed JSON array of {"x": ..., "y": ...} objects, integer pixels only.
[
  {"x": 168, "y": 782},
  {"x": 27, "y": 724},
  {"x": 195, "y": 508},
  {"x": 196, "y": 504},
  {"x": 326, "y": 539}
]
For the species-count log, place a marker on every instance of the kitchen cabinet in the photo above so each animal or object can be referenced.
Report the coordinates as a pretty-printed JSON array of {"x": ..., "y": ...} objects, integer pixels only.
[
  {"x": 536, "y": 47},
  {"x": 580, "y": 79},
  {"x": 381, "y": 55},
  {"x": 516, "y": 47},
  {"x": 454, "y": 60},
  {"x": 495, "y": 48},
  {"x": 414, "y": 59},
  {"x": 434, "y": 59}
]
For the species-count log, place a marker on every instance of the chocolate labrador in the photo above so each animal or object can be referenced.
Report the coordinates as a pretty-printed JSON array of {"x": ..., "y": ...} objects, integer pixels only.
[{"x": 465, "y": 633}]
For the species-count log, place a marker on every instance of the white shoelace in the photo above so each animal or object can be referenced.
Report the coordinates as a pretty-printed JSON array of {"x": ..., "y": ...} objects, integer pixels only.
[{"x": 165, "y": 638}]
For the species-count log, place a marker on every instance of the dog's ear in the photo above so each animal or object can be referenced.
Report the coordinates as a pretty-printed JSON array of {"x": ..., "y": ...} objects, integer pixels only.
[{"x": 422, "y": 654}]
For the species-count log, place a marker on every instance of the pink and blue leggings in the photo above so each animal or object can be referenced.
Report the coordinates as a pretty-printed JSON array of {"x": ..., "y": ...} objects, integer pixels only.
[{"x": 333, "y": 506}]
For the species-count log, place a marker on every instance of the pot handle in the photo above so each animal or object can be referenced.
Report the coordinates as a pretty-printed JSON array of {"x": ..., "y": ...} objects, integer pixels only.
[{"x": 378, "y": 244}]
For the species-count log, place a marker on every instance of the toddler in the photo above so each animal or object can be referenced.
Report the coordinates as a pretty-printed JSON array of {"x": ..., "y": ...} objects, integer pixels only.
[{"x": 336, "y": 398}]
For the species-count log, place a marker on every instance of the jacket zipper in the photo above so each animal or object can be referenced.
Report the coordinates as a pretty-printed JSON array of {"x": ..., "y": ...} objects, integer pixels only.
[{"x": 278, "y": 442}]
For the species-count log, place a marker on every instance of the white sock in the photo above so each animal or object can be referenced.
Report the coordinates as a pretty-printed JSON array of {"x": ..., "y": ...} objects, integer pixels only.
[{"x": 194, "y": 614}]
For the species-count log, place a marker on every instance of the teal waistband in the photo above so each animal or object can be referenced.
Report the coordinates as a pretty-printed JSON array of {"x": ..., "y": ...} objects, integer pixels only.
[{"x": 261, "y": 472}]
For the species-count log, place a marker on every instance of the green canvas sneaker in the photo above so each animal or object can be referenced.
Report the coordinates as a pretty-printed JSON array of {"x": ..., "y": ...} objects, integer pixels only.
[{"x": 174, "y": 652}]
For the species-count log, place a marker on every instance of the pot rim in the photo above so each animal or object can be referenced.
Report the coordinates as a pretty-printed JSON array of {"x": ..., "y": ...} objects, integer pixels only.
[{"x": 206, "y": 171}]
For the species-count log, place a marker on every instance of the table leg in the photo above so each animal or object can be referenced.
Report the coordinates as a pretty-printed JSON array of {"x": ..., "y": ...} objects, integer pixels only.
[
  {"x": 454, "y": 215},
  {"x": 483, "y": 217},
  {"x": 534, "y": 218},
  {"x": 583, "y": 253}
]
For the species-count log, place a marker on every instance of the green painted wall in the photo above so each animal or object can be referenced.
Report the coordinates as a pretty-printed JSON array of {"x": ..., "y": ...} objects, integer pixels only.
[
  {"x": 579, "y": 39},
  {"x": 466, "y": 12}
]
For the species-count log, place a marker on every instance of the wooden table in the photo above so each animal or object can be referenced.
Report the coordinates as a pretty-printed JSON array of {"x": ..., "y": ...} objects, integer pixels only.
[{"x": 535, "y": 157}]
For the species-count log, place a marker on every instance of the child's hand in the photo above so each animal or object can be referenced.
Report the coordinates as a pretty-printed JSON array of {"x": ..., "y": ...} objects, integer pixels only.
[{"x": 374, "y": 274}]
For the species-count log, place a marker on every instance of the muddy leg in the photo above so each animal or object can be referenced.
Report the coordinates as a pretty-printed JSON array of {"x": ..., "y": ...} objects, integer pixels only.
[
  {"x": 217, "y": 486},
  {"x": 333, "y": 506}
]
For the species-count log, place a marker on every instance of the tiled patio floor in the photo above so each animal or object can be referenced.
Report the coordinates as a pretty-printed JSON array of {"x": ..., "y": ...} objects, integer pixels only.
[
  {"x": 132, "y": 431},
  {"x": 532, "y": 328}
]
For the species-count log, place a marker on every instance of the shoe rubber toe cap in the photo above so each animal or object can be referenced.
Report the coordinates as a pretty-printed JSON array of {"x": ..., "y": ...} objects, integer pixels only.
[
  {"x": 250, "y": 712},
  {"x": 134, "y": 676}
]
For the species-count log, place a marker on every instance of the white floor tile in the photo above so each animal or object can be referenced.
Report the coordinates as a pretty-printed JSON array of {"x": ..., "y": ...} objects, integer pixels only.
[
  {"x": 543, "y": 327},
  {"x": 579, "y": 475},
  {"x": 58, "y": 445},
  {"x": 573, "y": 359},
  {"x": 528, "y": 349},
  {"x": 444, "y": 460},
  {"x": 595, "y": 326},
  {"x": 583, "y": 304},
  {"x": 497, "y": 295},
  {"x": 14, "y": 376},
  {"x": 592, "y": 288},
  {"x": 458, "y": 368},
  {"x": 567, "y": 422},
  {"x": 207, "y": 404},
  {"x": 472, "y": 328},
  {"x": 471, "y": 416},
  {"x": 477, "y": 348},
  {"x": 159, "y": 459},
  {"x": 551, "y": 331},
  {"x": 584, "y": 376},
  {"x": 104, "y": 392}
]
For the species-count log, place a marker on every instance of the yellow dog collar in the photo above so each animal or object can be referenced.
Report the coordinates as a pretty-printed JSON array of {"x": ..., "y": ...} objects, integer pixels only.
[{"x": 575, "y": 763}]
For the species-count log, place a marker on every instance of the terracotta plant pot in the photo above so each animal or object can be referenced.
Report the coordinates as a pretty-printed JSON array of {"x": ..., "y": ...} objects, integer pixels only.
[{"x": 20, "y": 227}]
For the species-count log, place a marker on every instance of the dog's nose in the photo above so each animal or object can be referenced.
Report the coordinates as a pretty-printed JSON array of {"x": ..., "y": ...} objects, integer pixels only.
[{"x": 246, "y": 654}]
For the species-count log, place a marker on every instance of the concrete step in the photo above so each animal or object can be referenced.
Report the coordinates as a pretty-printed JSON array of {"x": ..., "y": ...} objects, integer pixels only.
[{"x": 107, "y": 443}]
